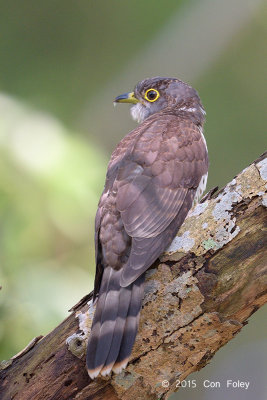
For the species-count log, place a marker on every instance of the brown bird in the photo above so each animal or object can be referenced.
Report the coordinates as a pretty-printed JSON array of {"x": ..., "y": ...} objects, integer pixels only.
[{"x": 155, "y": 174}]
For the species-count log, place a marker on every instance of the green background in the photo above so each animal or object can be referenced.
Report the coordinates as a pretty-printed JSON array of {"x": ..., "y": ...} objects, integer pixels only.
[{"x": 61, "y": 65}]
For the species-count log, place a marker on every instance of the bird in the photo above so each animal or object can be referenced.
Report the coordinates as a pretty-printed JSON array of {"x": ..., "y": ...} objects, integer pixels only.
[{"x": 155, "y": 175}]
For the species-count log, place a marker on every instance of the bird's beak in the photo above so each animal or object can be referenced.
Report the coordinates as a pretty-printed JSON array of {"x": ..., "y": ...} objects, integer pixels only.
[{"x": 126, "y": 98}]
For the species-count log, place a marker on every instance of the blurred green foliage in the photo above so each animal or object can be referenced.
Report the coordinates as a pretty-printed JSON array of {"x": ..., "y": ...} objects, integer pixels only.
[
  {"x": 56, "y": 53},
  {"x": 234, "y": 93},
  {"x": 49, "y": 187}
]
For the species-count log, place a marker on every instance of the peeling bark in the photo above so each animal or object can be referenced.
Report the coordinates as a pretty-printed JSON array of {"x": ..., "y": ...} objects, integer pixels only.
[{"x": 198, "y": 296}]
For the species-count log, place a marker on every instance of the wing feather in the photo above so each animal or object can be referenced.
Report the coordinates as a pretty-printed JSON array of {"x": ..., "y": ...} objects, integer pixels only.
[
  {"x": 153, "y": 176},
  {"x": 153, "y": 202},
  {"x": 152, "y": 211}
]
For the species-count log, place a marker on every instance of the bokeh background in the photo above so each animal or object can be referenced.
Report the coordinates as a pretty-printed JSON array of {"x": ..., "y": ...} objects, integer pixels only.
[{"x": 61, "y": 65}]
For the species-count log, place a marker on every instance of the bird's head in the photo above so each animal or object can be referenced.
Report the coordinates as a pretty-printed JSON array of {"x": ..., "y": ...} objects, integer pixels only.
[{"x": 156, "y": 94}]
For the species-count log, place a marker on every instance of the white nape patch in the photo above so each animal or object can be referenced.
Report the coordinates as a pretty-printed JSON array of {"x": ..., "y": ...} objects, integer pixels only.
[
  {"x": 139, "y": 112},
  {"x": 201, "y": 187},
  {"x": 189, "y": 109}
]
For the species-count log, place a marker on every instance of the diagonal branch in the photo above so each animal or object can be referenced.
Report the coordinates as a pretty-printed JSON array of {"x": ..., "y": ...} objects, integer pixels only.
[{"x": 198, "y": 297}]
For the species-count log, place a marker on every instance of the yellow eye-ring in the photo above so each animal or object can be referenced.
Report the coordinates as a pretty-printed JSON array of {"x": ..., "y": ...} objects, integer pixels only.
[{"x": 152, "y": 95}]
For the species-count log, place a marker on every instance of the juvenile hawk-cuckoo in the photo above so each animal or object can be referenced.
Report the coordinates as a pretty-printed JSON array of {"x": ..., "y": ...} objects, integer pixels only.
[{"x": 154, "y": 175}]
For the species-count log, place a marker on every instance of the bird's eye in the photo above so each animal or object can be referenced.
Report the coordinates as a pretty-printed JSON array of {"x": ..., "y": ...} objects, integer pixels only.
[{"x": 152, "y": 95}]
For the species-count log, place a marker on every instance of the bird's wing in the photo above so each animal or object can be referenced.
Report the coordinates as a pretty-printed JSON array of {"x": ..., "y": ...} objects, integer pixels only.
[
  {"x": 155, "y": 185},
  {"x": 98, "y": 254},
  {"x": 144, "y": 251},
  {"x": 123, "y": 149},
  {"x": 146, "y": 208}
]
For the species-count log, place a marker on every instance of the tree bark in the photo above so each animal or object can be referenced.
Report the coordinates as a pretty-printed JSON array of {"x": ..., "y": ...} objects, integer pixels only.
[{"x": 198, "y": 296}]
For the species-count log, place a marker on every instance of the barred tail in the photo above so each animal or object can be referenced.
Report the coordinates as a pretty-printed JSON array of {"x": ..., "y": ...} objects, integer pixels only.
[{"x": 115, "y": 324}]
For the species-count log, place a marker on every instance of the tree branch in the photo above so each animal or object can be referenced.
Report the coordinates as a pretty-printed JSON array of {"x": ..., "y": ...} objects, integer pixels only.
[{"x": 198, "y": 296}]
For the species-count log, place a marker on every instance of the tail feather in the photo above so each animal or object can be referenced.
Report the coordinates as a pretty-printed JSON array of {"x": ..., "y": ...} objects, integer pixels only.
[
  {"x": 108, "y": 322},
  {"x": 131, "y": 325},
  {"x": 115, "y": 323},
  {"x": 96, "y": 325},
  {"x": 124, "y": 302}
]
